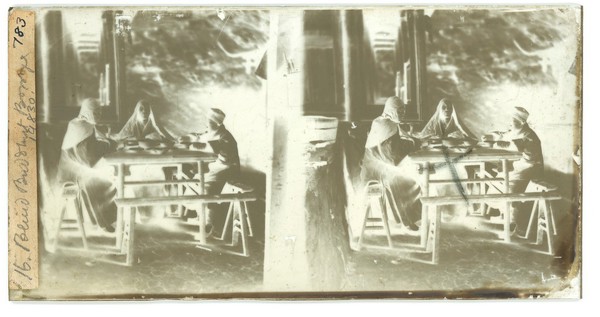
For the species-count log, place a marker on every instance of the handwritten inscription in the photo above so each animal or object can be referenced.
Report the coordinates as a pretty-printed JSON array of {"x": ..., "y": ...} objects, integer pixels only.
[
  {"x": 21, "y": 238},
  {"x": 21, "y": 23},
  {"x": 25, "y": 107},
  {"x": 22, "y": 180},
  {"x": 25, "y": 134}
]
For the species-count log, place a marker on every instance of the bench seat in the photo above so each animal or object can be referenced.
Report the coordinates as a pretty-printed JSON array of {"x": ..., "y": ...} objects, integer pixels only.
[{"x": 192, "y": 199}]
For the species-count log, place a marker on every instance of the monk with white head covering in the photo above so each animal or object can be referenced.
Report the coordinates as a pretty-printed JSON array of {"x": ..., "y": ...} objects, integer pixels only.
[
  {"x": 386, "y": 147},
  {"x": 522, "y": 138},
  {"x": 82, "y": 148},
  {"x": 142, "y": 125},
  {"x": 445, "y": 123},
  {"x": 225, "y": 169}
]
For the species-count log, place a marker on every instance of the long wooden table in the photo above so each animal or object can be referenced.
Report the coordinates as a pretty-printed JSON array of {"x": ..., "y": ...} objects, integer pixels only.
[
  {"x": 429, "y": 160},
  {"x": 123, "y": 159}
]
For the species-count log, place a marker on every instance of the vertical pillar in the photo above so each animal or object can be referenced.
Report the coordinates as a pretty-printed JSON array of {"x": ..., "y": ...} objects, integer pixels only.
[
  {"x": 411, "y": 61},
  {"x": 305, "y": 235},
  {"x": 285, "y": 227},
  {"x": 53, "y": 97},
  {"x": 354, "y": 60}
]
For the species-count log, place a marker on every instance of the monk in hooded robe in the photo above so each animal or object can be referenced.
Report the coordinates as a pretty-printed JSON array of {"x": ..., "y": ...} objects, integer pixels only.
[
  {"x": 445, "y": 124},
  {"x": 142, "y": 126},
  {"x": 82, "y": 148},
  {"x": 386, "y": 147}
]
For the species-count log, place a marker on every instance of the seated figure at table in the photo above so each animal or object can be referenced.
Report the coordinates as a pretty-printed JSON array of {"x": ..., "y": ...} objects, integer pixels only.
[
  {"x": 522, "y": 138},
  {"x": 445, "y": 123},
  {"x": 386, "y": 146},
  {"x": 225, "y": 169},
  {"x": 142, "y": 125},
  {"x": 82, "y": 148}
]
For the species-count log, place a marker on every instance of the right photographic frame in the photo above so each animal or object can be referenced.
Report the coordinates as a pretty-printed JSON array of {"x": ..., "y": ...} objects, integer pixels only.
[{"x": 426, "y": 151}]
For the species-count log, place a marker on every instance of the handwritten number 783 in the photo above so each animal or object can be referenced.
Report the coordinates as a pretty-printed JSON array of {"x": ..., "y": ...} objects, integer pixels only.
[{"x": 21, "y": 24}]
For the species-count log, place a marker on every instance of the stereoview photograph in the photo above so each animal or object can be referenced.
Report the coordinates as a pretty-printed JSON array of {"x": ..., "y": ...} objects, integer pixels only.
[{"x": 421, "y": 152}]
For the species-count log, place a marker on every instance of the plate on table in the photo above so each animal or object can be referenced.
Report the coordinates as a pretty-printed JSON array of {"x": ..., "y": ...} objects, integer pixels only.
[
  {"x": 460, "y": 149},
  {"x": 157, "y": 151},
  {"x": 434, "y": 147},
  {"x": 132, "y": 149},
  {"x": 433, "y": 141},
  {"x": 130, "y": 143},
  {"x": 486, "y": 144},
  {"x": 181, "y": 146},
  {"x": 162, "y": 145},
  {"x": 452, "y": 142}
]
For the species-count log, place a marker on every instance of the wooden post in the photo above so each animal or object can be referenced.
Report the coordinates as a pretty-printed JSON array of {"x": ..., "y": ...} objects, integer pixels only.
[
  {"x": 420, "y": 65},
  {"x": 120, "y": 194},
  {"x": 119, "y": 71},
  {"x": 51, "y": 92},
  {"x": 304, "y": 224},
  {"x": 425, "y": 214},
  {"x": 411, "y": 62},
  {"x": 201, "y": 212},
  {"x": 508, "y": 204},
  {"x": 351, "y": 52},
  {"x": 435, "y": 247},
  {"x": 129, "y": 232}
]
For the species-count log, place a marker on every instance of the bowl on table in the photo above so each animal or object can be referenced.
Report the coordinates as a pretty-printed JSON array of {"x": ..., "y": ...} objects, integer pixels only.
[
  {"x": 186, "y": 139},
  {"x": 197, "y": 146}
]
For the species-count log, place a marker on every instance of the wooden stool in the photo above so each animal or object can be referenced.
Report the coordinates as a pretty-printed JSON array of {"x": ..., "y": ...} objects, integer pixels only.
[
  {"x": 72, "y": 197},
  {"x": 238, "y": 219},
  {"x": 542, "y": 208},
  {"x": 375, "y": 195}
]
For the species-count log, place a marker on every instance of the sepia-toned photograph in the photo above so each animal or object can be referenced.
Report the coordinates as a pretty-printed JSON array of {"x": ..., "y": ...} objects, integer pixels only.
[{"x": 409, "y": 152}]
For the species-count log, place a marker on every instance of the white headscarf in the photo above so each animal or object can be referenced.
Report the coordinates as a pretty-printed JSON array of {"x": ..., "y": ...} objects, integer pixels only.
[
  {"x": 386, "y": 125},
  {"x": 438, "y": 127},
  {"x": 83, "y": 126},
  {"x": 216, "y": 115},
  {"x": 521, "y": 114},
  {"x": 136, "y": 128}
]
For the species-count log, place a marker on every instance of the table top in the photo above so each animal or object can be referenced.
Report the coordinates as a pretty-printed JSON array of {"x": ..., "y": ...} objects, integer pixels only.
[
  {"x": 475, "y": 154},
  {"x": 170, "y": 156}
]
